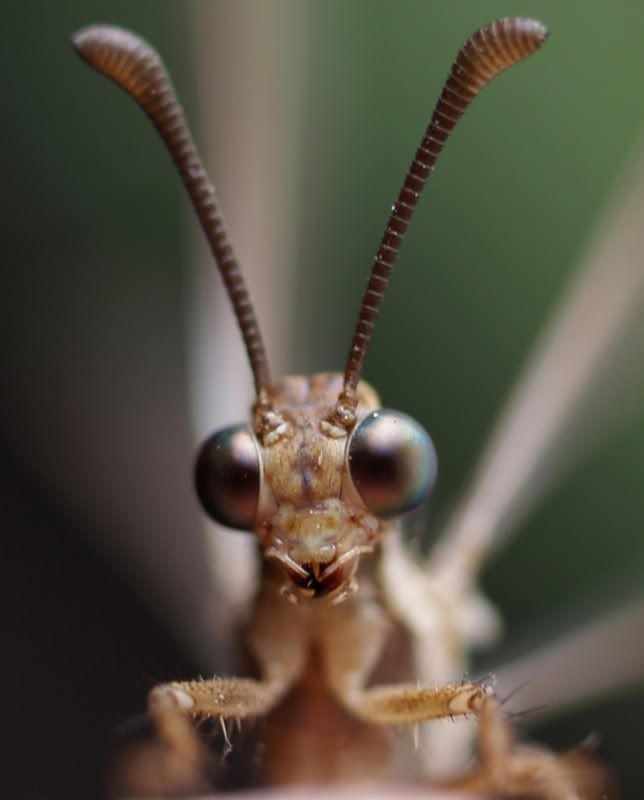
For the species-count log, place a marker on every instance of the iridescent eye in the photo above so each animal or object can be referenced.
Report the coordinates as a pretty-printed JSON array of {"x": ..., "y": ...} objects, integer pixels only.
[
  {"x": 227, "y": 477},
  {"x": 392, "y": 462}
]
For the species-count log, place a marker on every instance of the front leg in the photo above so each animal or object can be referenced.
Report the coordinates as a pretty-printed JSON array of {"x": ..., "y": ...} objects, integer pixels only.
[
  {"x": 353, "y": 637},
  {"x": 352, "y": 640},
  {"x": 446, "y": 618},
  {"x": 278, "y": 638}
]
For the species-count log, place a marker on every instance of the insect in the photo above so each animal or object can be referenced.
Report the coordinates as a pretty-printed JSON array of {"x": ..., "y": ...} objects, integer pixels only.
[{"x": 321, "y": 475}]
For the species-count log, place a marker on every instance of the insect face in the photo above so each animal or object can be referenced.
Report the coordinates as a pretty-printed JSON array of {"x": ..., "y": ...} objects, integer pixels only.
[
  {"x": 324, "y": 465},
  {"x": 317, "y": 495}
]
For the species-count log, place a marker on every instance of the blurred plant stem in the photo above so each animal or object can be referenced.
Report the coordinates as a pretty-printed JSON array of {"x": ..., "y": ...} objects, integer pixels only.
[{"x": 250, "y": 69}]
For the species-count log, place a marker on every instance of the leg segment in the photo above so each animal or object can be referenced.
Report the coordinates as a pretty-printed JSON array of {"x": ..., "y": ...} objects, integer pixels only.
[
  {"x": 408, "y": 704},
  {"x": 353, "y": 637},
  {"x": 352, "y": 641},
  {"x": 446, "y": 618},
  {"x": 508, "y": 769},
  {"x": 278, "y": 640}
]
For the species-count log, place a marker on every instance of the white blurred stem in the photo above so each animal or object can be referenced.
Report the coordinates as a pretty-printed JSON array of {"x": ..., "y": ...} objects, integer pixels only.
[
  {"x": 249, "y": 73},
  {"x": 599, "y": 658},
  {"x": 556, "y": 408}
]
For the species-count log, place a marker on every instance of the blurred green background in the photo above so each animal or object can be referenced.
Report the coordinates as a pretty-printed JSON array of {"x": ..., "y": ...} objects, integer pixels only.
[{"x": 97, "y": 291}]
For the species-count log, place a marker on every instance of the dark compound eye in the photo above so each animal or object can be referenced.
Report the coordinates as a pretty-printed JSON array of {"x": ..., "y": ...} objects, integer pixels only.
[
  {"x": 227, "y": 477},
  {"x": 392, "y": 462}
]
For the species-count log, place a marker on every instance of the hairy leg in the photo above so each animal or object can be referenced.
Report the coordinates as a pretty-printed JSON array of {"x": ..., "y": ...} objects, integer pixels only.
[
  {"x": 352, "y": 637},
  {"x": 446, "y": 619},
  {"x": 278, "y": 639}
]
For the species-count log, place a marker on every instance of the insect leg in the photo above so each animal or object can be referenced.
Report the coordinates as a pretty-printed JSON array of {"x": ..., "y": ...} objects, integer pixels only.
[
  {"x": 278, "y": 640},
  {"x": 446, "y": 619},
  {"x": 352, "y": 642},
  {"x": 508, "y": 769}
]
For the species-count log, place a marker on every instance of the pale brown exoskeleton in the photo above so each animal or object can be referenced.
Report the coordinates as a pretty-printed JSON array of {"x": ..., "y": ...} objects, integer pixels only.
[{"x": 321, "y": 475}]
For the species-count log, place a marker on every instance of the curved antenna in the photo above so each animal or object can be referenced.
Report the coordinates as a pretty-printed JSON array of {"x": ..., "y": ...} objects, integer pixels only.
[
  {"x": 137, "y": 68},
  {"x": 485, "y": 55}
]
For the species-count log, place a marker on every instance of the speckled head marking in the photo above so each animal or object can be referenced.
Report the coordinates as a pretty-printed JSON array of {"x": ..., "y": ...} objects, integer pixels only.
[
  {"x": 309, "y": 518},
  {"x": 322, "y": 467}
]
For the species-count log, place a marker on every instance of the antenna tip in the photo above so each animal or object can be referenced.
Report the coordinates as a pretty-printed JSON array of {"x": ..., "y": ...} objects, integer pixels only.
[
  {"x": 532, "y": 27},
  {"x": 120, "y": 55},
  {"x": 530, "y": 34},
  {"x": 86, "y": 40}
]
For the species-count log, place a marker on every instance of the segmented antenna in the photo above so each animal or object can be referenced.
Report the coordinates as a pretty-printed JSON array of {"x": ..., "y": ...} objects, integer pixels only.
[
  {"x": 132, "y": 64},
  {"x": 487, "y": 53}
]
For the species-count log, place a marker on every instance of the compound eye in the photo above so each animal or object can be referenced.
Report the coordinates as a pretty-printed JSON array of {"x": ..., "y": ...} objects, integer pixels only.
[
  {"x": 392, "y": 462},
  {"x": 227, "y": 477}
]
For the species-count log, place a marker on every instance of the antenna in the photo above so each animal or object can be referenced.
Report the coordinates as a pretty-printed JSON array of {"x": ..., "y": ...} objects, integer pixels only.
[
  {"x": 486, "y": 54},
  {"x": 137, "y": 68}
]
